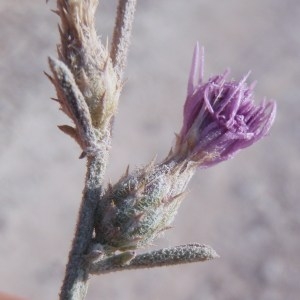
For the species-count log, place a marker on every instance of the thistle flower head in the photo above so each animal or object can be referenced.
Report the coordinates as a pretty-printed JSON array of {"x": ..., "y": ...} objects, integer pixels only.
[
  {"x": 141, "y": 205},
  {"x": 220, "y": 117},
  {"x": 88, "y": 60}
]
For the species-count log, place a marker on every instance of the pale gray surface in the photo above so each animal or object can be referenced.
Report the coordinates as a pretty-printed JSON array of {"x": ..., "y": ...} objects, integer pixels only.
[{"x": 248, "y": 209}]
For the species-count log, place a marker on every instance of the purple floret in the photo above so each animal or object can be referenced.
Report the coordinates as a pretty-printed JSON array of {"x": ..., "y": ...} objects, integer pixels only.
[{"x": 220, "y": 116}]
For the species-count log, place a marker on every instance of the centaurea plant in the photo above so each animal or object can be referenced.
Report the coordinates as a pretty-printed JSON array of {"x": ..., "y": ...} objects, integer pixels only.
[{"x": 219, "y": 119}]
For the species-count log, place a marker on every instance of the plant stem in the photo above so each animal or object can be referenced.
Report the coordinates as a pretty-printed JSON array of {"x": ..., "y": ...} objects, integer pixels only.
[
  {"x": 122, "y": 35},
  {"x": 75, "y": 283}
]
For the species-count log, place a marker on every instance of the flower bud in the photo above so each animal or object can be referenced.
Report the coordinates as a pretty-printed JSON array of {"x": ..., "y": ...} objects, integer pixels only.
[
  {"x": 88, "y": 60},
  {"x": 141, "y": 205}
]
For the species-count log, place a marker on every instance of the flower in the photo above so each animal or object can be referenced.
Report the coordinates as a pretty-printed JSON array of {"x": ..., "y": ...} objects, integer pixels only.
[{"x": 220, "y": 117}]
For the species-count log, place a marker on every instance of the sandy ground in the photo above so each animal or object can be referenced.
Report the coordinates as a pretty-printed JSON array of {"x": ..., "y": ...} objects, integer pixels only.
[{"x": 248, "y": 208}]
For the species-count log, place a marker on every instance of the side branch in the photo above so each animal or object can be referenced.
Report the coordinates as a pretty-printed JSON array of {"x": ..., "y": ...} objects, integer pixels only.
[
  {"x": 164, "y": 257},
  {"x": 122, "y": 35}
]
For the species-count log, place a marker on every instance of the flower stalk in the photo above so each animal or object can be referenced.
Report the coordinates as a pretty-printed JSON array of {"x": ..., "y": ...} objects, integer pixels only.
[
  {"x": 88, "y": 89},
  {"x": 75, "y": 283},
  {"x": 122, "y": 34}
]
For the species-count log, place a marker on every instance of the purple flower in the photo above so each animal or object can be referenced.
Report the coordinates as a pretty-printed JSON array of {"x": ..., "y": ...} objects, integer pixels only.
[{"x": 220, "y": 117}]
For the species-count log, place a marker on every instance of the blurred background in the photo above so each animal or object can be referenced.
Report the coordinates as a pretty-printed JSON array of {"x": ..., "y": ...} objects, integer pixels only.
[{"x": 247, "y": 209}]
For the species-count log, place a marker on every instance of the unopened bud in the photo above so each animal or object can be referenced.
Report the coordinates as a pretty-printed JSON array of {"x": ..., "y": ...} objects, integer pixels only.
[{"x": 141, "y": 205}]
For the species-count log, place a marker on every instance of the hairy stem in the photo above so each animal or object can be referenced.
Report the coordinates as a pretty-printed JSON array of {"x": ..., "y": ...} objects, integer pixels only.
[
  {"x": 122, "y": 35},
  {"x": 84, "y": 62},
  {"x": 75, "y": 283}
]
